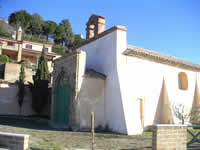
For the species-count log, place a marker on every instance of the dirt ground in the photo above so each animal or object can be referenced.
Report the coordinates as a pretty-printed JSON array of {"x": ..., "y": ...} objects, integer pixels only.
[{"x": 45, "y": 138}]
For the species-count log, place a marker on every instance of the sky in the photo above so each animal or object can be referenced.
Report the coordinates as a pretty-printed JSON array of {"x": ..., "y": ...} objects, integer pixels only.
[{"x": 167, "y": 26}]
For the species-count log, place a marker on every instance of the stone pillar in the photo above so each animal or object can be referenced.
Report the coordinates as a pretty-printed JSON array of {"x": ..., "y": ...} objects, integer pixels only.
[
  {"x": 169, "y": 137},
  {"x": 19, "y": 54},
  {"x": 0, "y": 48}
]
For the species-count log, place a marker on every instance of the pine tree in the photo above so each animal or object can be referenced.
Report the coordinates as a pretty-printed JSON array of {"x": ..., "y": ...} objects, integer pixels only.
[
  {"x": 40, "y": 91},
  {"x": 21, "y": 91}
]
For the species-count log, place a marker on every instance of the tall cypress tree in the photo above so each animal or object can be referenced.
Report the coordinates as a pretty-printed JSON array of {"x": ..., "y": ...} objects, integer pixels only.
[
  {"x": 40, "y": 91},
  {"x": 42, "y": 72},
  {"x": 21, "y": 91}
]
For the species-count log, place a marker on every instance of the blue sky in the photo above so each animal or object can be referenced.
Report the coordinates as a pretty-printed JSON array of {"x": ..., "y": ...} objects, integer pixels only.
[{"x": 168, "y": 26}]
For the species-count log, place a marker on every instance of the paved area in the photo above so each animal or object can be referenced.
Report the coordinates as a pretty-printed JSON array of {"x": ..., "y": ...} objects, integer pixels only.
[{"x": 45, "y": 138}]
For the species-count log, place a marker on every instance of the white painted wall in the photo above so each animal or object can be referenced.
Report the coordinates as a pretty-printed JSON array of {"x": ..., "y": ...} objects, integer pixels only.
[
  {"x": 147, "y": 77},
  {"x": 101, "y": 56},
  {"x": 91, "y": 99},
  {"x": 129, "y": 79},
  {"x": 37, "y": 47}
]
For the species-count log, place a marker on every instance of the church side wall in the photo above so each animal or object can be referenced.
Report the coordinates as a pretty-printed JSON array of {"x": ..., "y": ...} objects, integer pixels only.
[
  {"x": 143, "y": 80},
  {"x": 101, "y": 56}
]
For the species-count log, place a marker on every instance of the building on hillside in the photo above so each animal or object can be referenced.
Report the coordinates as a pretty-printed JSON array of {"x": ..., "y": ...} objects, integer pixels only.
[
  {"x": 25, "y": 50},
  {"x": 128, "y": 88}
]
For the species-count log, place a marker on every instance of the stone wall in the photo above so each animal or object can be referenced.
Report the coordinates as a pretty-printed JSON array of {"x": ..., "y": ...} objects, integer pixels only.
[
  {"x": 14, "y": 141},
  {"x": 11, "y": 73},
  {"x": 69, "y": 68},
  {"x": 169, "y": 137}
]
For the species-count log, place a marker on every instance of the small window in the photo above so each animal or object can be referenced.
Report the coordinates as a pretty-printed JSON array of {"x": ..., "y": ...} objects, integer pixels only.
[
  {"x": 183, "y": 81},
  {"x": 46, "y": 49},
  {"x": 10, "y": 44},
  {"x": 28, "y": 46}
]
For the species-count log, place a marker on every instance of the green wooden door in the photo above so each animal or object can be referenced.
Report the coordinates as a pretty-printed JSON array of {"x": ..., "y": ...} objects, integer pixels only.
[{"x": 62, "y": 103}]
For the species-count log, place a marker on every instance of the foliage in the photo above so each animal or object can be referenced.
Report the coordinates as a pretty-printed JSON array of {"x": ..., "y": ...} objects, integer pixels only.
[
  {"x": 36, "y": 24},
  {"x": 42, "y": 70},
  {"x": 39, "y": 89},
  {"x": 68, "y": 34},
  {"x": 4, "y": 59},
  {"x": 181, "y": 112},
  {"x": 28, "y": 37},
  {"x": 77, "y": 40},
  {"x": 20, "y": 18},
  {"x": 59, "y": 35},
  {"x": 5, "y": 34},
  {"x": 63, "y": 34},
  {"x": 195, "y": 115},
  {"x": 49, "y": 28},
  {"x": 4, "y": 27},
  {"x": 58, "y": 49},
  {"x": 21, "y": 91}
]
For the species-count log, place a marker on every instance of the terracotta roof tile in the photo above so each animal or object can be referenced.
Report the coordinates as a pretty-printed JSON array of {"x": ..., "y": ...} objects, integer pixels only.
[{"x": 161, "y": 58}]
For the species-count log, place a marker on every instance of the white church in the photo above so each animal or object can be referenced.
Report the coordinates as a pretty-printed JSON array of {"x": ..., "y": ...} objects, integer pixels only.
[{"x": 128, "y": 88}]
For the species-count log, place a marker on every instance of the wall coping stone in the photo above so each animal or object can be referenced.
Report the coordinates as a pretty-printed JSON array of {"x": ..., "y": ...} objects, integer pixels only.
[
  {"x": 14, "y": 134},
  {"x": 169, "y": 125}
]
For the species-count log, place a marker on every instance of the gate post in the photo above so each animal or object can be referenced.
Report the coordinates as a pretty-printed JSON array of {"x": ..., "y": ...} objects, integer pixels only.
[{"x": 169, "y": 137}]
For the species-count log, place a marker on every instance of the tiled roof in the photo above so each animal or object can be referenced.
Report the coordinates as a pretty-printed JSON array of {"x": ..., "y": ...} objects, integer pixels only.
[
  {"x": 100, "y": 36},
  {"x": 161, "y": 58}
]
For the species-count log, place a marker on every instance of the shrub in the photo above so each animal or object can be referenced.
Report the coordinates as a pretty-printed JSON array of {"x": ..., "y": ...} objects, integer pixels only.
[
  {"x": 28, "y": 37},
  {"x": 6, "y": 34},
  {"x": 4, "y": 59},
  {"x": 58, "y": 49}
]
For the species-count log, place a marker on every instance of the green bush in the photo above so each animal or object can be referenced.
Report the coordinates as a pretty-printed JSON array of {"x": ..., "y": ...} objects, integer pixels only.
[
  {"x": 28, "y": 37},
  {"x": 4, "y": 59},
  {"x": 58, "y": 49},
  {"x": 5, "y": 34}
]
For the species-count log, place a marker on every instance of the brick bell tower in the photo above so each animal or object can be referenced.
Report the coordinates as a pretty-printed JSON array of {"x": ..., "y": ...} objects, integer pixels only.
[{"x": 95, "y": 26}]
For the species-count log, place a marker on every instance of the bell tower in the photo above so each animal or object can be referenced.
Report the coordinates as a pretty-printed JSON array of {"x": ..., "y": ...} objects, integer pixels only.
[
  {"x": 95, "y": 26},
  {"x": 19, "y": 34}
]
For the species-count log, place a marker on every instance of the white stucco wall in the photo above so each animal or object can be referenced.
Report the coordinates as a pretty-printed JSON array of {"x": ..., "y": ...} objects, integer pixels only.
[
  {"x": 36, "y": 47},
  {"x": 147, "y": 78},
  {"x": 101, "y": 56},
  {"x": 91, "y": 99},
  {"x": 130, "y": 79}
]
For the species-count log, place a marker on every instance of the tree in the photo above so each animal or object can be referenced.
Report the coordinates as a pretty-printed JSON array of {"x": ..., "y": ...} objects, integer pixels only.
[
  {"x": 36, "y": 24},
  {"x": 59, "y": 35},
  {"x": 20, "y": 18},
  {"x": 39, "y": 88},
  {"x": 181, "y": 112},
  {"x": 21, "y": 91},
  {"x": 68, "y": 38},
  {"x": 49, "y": 28},
  {"x": 77, "y": 40}
]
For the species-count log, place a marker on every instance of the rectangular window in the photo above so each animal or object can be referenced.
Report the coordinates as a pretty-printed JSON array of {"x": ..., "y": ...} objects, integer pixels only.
[
  {"x": 46, "y": 49},
  {"x": 28, "y": 46},
  {"x": 10, "y": 44}
]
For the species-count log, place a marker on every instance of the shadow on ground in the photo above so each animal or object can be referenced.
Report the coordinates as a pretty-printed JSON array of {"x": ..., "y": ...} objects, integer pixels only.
[{"x": 29, "y": 123}]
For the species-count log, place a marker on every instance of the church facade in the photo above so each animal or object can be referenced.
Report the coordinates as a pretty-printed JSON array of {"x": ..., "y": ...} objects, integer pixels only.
[{"x": 128, "y": 88}]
